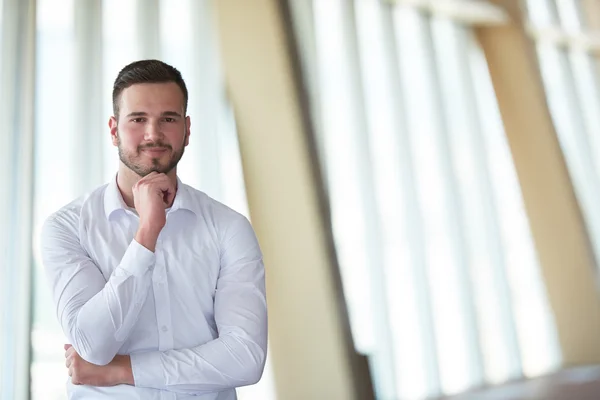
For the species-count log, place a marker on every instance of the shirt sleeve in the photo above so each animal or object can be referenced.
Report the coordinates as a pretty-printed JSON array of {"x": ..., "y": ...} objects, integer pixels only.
[
  {"x": 237, "y": 357},
  {"x": 96, "y": 316}
]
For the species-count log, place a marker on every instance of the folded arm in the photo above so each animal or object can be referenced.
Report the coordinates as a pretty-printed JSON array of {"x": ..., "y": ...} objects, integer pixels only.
[
  {"x": 96, "y": 315},
  {"x": 237, "y": 357}
]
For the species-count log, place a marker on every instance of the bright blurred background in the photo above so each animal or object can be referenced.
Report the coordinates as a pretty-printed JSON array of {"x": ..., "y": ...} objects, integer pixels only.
[{"x": 422, "y": 176}]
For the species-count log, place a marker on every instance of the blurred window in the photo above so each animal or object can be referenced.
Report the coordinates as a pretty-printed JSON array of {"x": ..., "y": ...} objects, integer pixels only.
[
  {"x": 438, "y": 265},
  {"x": 570, "y": 75}
]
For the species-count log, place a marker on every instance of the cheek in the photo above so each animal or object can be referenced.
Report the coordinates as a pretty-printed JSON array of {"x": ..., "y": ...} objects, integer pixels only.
[
  {"x": 174, "y": 137},
  {"x": 130, "y": 138}
]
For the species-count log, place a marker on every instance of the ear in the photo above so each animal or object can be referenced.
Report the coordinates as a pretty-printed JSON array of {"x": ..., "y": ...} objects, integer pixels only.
[
  {"x": 188, "y": 124},
  {"x": 114, "y": 134}
]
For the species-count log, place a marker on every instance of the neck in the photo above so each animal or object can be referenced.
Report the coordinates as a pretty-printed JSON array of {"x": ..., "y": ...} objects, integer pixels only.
[{"x": 126, "y": 178}]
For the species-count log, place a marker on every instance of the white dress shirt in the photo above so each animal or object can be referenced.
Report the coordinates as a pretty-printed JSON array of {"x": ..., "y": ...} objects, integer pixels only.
[{"x": 192, "y": 315}]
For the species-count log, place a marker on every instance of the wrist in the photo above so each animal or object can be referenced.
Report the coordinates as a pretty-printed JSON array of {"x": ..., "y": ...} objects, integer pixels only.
[
  {"x": 123, "y": 371},
  {"x": 147, "y": 236}
]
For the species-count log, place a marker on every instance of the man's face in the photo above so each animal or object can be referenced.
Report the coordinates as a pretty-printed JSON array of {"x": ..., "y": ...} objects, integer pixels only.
[{"x": 152, "y": 131}]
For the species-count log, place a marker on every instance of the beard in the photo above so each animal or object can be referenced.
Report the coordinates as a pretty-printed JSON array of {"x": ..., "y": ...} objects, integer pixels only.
[{"x": 134, "y": 161}]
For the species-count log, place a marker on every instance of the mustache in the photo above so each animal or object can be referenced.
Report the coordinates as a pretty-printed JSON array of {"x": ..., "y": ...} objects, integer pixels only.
[{"x": 157, "y": 145}]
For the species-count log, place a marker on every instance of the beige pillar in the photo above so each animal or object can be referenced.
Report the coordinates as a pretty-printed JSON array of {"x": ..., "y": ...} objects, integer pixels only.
[
  {"x": 567, "y": 263},
  {"x": 590, "y": 11},
  {"x": 310, "y": 346}
]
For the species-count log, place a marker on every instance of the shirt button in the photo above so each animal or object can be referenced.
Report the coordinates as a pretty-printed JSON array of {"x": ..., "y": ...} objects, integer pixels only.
[{"x": 164, "y": 328}]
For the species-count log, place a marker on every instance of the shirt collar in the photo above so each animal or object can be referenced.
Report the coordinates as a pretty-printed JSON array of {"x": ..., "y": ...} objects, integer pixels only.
[{"x": 113, "y": 200}]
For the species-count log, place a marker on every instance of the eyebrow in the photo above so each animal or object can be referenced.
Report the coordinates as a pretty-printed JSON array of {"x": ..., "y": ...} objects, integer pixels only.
[
  {"x": 144, "y": 114},
  {"x": 170, "y": 114}
]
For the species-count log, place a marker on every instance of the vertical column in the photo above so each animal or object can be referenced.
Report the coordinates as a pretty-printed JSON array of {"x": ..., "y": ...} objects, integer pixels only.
[
  {"x": 17, "y": 84},
  {"x": 309, "y": 333},
  {"x": 591, "y": 12},
  {"x": 90, "y": 124},
  {"x": 207, "y": 86}
]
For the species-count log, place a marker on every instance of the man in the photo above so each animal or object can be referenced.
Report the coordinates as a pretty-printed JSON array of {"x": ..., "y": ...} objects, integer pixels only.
[{"x": 159, "y": 288}]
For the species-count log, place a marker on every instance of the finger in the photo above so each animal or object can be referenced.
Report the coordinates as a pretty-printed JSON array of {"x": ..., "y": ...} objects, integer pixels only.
[
  {"x": 147, "y": 178},
  {"x": 150, "y": 177},
  {"x": 162, "y": 181},
  {"x": 165, "y": 188},
  {"x": 168, "y": 186},
  {"x": 161, "y": 185},
  {"x": 70, "y": 371},
  {"x": 68, "y": 346},
  {"x": 158, "y": 184},
  {"x": 68, "y": 362},
  {"x": 153, "y": 176},
  {"x": 70, "y": 351}
]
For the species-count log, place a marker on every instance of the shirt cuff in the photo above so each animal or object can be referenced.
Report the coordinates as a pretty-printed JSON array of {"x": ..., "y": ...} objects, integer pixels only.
[
  {"x": 147, "y": 370},
  {"x": 137, "y": 260}
]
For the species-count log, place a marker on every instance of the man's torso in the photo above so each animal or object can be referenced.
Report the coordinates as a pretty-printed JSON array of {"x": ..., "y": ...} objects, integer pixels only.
[{"x": 179, "y": 310}]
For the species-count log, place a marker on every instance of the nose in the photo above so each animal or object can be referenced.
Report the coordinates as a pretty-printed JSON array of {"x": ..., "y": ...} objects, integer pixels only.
[{"x": 153, "y": 132}]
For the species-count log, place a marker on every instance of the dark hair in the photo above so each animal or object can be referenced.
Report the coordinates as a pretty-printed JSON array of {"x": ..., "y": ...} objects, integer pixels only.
[{"x": 147, "y": 71}]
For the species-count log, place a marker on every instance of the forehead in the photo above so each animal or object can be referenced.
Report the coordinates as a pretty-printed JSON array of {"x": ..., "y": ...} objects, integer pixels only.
[{"x": 151, "y": 96}]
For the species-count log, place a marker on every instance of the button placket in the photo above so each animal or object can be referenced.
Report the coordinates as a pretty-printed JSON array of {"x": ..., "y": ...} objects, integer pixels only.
[{"x": 162, "y": 301}]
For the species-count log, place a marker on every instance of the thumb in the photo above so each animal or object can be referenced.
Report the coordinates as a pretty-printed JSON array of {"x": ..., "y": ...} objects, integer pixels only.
[{"x": 67, "y": 346}]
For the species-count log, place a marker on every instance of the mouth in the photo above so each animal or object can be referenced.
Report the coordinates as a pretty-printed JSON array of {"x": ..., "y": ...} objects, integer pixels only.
[{"x": 155, "y": 151}]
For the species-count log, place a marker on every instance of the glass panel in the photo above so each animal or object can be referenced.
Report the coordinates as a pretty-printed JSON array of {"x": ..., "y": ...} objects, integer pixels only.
[
  {"x": 444, "y": 251},
  {"x": 572, "y": 91},
  {"x": 479, "y": 219},
  {"x": 340, "y": 127},
  {"x": 539, "y": 351},
  {"x": 1, "y": 28},
  {"x": 4, "y": 238},
  {"x": 541, "y": 12},
  {"x": 53, "y": 158},
  {"x": 400, "y": 363},
  {"x": 232, "y": 174},
  {"x": 568, "y": 13}
]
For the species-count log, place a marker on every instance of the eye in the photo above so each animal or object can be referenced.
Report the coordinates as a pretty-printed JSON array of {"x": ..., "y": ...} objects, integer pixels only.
[
  {"x": 138, "y": 120},
  {"x": 169, "y": 119}
]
